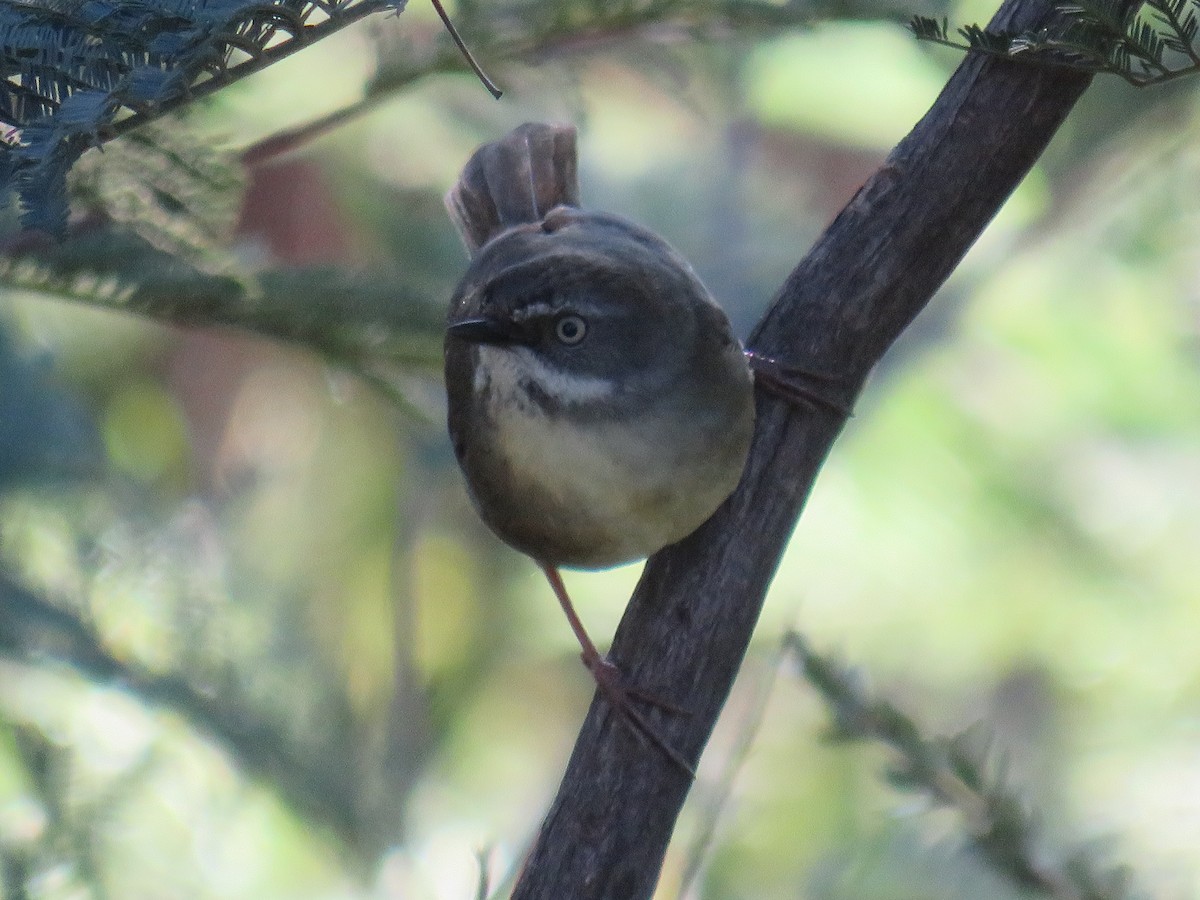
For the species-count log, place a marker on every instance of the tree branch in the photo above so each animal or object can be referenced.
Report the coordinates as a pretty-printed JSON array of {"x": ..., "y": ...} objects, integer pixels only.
[{"x": 691, "y": 618}]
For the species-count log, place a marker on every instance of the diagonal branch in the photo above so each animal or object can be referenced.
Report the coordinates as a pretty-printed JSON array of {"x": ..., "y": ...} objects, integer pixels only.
[{"x": 691, "y": 618}]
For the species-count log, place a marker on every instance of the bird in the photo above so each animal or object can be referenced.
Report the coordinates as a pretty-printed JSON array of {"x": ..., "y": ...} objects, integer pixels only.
[{"x": 599, "y": 403}]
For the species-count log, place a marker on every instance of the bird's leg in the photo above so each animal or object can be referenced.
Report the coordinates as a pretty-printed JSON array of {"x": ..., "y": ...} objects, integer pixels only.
[
  {"x": 608, "y": 677},
  {"x": 795, "y": 384}
]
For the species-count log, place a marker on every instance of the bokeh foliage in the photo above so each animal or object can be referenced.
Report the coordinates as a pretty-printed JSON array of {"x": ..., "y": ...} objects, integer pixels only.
[{"x": 254, "y": 643}]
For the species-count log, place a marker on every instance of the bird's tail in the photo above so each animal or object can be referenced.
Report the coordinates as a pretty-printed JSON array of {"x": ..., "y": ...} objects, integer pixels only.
[{"x": 514, "y": 181}]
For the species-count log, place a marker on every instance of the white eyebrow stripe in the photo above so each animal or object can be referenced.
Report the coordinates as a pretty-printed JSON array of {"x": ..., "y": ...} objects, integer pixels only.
[
  {"x": 532, "y": 311},
  {"x": 579, "y": 306}
]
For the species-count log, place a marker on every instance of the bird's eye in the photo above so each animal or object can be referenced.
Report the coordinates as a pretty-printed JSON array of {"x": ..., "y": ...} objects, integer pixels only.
[{"x": 570, "y": 330}]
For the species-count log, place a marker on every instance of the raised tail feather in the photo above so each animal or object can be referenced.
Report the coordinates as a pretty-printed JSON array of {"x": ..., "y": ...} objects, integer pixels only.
[{"x": 514, "y": 181}]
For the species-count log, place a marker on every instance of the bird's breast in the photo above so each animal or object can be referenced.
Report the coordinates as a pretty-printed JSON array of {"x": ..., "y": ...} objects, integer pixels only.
[{"x": 565, "y": 480}]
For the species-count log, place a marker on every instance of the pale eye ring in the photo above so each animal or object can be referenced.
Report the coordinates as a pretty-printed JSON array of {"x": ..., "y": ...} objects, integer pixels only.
[{"x": 570, "y": 329}]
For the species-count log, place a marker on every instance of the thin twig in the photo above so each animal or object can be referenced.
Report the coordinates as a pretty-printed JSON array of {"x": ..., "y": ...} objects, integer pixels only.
[
  {"x": 716, "y": 804},
  {"x": 310, "y": 34},
  {"x": 462, "y": 47}
]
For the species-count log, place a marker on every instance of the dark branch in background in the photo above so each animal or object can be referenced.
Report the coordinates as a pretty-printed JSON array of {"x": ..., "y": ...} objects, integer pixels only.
[
  {"x": 1145, "y": 42},
  {"x": 370, "y": 324},
  {"x": 32, "y": 630},
  {"x": 691, "y": 619},
  {"x": 958, "y": 773}
]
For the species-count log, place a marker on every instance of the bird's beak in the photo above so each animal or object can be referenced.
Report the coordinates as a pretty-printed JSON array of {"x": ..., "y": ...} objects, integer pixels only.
[{"x": 489, "y": 331}]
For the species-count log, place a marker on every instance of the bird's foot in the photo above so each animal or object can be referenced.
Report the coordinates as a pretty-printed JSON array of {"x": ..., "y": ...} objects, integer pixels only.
[
  {"x": 611, "y": 682},
  {"x": 797, "y": 385},
  {"x": 621, "y": 697}
]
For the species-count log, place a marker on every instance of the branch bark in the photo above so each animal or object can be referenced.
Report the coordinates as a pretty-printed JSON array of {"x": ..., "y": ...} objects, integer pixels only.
[{"x": 692, "y": 615}]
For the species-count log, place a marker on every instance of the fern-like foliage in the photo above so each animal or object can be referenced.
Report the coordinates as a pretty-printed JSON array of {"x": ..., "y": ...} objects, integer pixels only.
[
  {"x": 1143, "y": 41},
  {"x": 961, "y": 773},
  {"x": 373, "y": 325},
  {"x": 78, "y": 72},
  {"x": 167, "y": 182}
]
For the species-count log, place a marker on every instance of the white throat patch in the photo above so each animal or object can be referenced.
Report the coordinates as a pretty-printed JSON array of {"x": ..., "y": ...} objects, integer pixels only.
[{"x": 501, "y": 372}]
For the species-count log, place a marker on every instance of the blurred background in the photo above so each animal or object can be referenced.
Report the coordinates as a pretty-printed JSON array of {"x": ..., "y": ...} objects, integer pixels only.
[{"x": 258, "y": 645}]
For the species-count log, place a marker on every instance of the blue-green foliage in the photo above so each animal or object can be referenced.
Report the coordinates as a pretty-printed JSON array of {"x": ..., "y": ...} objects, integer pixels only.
[
  {"x": 44, "y": 434},
  {"x": 71, "y": 70},
  {"x": 1143, "y": 41}
]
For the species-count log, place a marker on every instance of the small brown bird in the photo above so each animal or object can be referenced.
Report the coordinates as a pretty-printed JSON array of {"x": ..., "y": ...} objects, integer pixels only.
[{"x": 599, "y": 404}]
